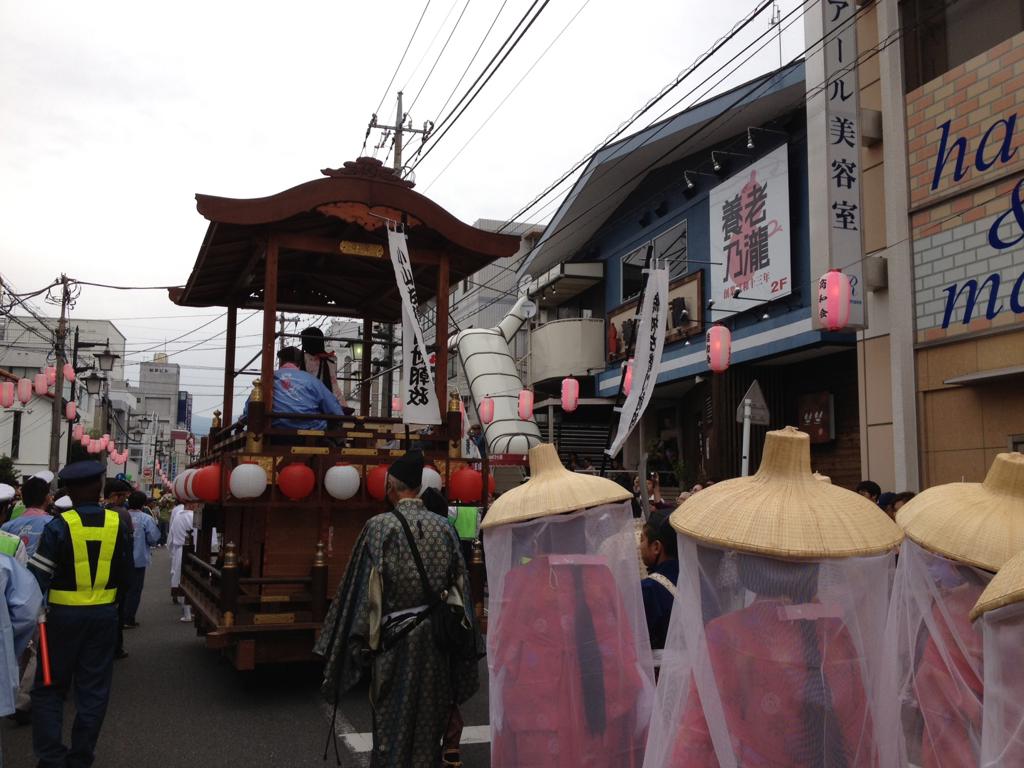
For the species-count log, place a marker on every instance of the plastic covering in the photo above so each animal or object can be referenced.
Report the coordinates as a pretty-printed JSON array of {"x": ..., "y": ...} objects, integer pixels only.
[
  {"x": 933, "y": 683},
  {"x": 570, "y": 663},
  {"x": 770, "y": 662},
  {"x": 1002, "y": 733}
]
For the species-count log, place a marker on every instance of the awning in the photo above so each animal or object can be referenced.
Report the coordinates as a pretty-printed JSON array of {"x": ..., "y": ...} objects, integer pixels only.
[
  {"x": 979, "y": 377},
  {"x": 565, "y": 281}
]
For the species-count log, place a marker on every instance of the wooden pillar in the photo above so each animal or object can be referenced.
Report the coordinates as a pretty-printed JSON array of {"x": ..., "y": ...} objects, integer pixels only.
[
  {"x": 364, "y": 371},
  {"x": 229, "y": 367},
  {"x": 441, "y": 333},
  {"x": 269, "y": 324}
]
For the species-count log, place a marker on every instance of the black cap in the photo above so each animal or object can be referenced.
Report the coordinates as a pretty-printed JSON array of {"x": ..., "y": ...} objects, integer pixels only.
[
  {"x": 408, "y": 469},
  {"x": 81, "y": 472},
  {"x": 117, "y": 486}
]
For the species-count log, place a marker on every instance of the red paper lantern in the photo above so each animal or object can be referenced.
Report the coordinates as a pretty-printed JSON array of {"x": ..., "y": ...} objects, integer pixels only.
[
  {"x": 627, "y": 383},
  {"x": 69, "y": 372},
  {"x": 719, "y": 348},
  {"x": 24, "y": 391},
  {"x": 465, "y": 485},
  {"x": 486, "y": 410},
  {"x": 835, "y": 296},
  {"x": 570, "y": 394},
  {"x": 526, "y": 404},
  {"x": 6, "y": 394},
  {"x": 206, "y": 482},
  {"x": 296, "y": 481},
  {"x": 70, "y": 411},
  {"x": 377, "y": 482},
  {"x": 39, "y": 384}
]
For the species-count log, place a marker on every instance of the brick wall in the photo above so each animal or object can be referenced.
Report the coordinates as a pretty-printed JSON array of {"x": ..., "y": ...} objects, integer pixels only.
[{"x": 972, "y": 95}]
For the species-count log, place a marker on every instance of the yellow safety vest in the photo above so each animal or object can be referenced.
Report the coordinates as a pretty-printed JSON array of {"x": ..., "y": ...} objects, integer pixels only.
[{"x": 89, "y": 590}]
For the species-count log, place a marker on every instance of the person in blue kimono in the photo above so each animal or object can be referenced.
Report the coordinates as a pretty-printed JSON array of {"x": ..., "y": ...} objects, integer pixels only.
[
  {"x": 296, "y": 391},
  {"x": 659, "y": 552},
  {"x": 22, "y": 603},
  {"x": 29, "y": 526}
]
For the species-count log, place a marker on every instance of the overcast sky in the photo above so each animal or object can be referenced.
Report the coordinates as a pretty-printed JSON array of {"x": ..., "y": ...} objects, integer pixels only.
[{"x": 114, "y": 114}]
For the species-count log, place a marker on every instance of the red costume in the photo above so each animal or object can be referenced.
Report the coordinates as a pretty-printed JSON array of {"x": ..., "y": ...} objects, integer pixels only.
[
  {"x": 950, "y": 699},
  {"x": 759, "y": 656},
  {"x": 565, "y": 669}
]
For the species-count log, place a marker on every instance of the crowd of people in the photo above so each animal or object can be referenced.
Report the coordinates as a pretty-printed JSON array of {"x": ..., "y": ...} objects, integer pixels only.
[{"x": 84, "y": 550}]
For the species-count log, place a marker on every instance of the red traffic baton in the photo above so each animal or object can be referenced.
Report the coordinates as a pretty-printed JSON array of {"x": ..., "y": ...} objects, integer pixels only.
[{"x": 44, "y": 651}]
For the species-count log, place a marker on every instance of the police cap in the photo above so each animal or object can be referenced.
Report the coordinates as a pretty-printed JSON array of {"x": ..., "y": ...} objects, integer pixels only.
[
  {"x": 117, "y": 486},
  {"x": 81, "y": 472}
]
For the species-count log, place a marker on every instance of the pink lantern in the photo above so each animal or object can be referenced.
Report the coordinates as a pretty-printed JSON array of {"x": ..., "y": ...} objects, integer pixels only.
[
  {"x": 526, "y": 404},
  {"x": 69, "y": 372},
  {"x": 6, "y": 394},
  {"x": 103, "y": 441},
  {"x": 396, "y": 404},
  {"x": 834, "y": 298},
  {"x": 70, "y": 411},
  {"x": 85, "y": 439},
  {"x": 627, "y": 383},
  {"x": 39, "y": 384},
  {"x": 719, "y": 347},
  {"x": 24, "y": 391},
  {"x": 570, "y": 394},
  {"x": 51, "y": 375},
  {"x": 111, "y": 448},
  {"x": 94, "y": 446},
  {"x": 76, "y": 432},
  {"x": 486, "y": 410}
]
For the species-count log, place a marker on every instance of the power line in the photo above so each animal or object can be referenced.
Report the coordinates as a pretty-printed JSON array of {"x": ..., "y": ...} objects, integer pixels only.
[
  {"x": 395, "y": 73},
  {"x": 440, "y": 54},
  {"x": 448, "y": 121},
  {"x": 508, "y": 95}
]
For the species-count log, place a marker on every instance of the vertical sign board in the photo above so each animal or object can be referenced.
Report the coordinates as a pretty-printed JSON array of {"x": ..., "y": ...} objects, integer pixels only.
[
  {"x": 842, "y": 157},
  {"x": 750, "y": 236}
]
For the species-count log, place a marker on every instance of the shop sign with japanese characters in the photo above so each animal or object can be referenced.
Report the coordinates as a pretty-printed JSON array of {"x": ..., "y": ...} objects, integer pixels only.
[
  {"x": 750, "y": 236},
  {"x": 842, "y": 157}
]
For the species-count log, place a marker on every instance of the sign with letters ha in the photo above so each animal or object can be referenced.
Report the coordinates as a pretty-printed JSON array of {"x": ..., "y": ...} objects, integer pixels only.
[{"x": 750, "y": 236}]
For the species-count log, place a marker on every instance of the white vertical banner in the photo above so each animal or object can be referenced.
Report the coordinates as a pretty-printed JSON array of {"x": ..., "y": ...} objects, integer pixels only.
[
  {"x": 650, "y": 341},
  {"x": 419, "y": 398},
  {"x": 842, "y": 154}
]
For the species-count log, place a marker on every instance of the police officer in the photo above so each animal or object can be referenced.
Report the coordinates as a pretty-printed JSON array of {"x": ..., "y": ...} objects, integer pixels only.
[{"x": 83, "y": 560}]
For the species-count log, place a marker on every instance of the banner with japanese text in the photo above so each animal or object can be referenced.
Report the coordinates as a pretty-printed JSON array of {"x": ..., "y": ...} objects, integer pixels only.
[
  {"x": 842, "y": 115},
  {"x": 650, "y": 341},
  {"x": 750, "y": 253},
  {"x": 419, "y": 398}
]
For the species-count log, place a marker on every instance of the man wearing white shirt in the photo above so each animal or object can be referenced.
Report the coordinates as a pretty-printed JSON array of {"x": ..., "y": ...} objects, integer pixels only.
[{"x": 180, "y": 534}]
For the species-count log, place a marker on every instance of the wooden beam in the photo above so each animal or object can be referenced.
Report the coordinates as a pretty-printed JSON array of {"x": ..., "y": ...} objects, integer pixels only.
[
  {"x": 441, "y": 338},
  {"x": 244, "y": 278},
  {"x": 269, "y": 324},
  {"x": 229, "y": 367},
  {"x": 297, "y": 241},
  {"x": 365, "y": 386}
]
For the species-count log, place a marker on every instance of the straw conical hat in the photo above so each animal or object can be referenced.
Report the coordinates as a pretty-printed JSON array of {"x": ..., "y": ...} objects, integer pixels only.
[
  {"x": 783, "y": 511},
  {"x": 552, "y": 490},
  {"x": 1006, "y": 587},
  {"x": 980, "y": 524}
]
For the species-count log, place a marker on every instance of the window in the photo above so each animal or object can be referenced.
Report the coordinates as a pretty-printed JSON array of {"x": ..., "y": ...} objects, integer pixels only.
[
  {"x": 671, "y": 246},
  {"x": 1017, "y": 443},
  {"x": 633, "y": 272},
  {"x": 942, "y": 34},
  {"x": 16, "y": 434}
]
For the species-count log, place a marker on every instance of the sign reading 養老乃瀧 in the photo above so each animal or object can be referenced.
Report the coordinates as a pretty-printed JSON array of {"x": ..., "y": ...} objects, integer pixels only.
[{"x": 750, "y": 236}]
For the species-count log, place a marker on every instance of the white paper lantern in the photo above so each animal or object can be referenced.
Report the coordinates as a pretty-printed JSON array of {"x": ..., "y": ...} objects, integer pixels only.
[
  {"x": 431, "y": 479},
  {"x": 179, "y": 484},
  {"x": 342, "y": 481},
  {"x": 248, "y": 481}
]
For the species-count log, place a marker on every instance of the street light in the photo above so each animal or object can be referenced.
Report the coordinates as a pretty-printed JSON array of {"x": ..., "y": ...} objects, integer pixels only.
[
  {"x": 93, "y": 382},
  {"x": 105, "y": 359}
]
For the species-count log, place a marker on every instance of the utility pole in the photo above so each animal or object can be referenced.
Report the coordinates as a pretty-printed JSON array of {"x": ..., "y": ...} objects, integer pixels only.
[
  {"x": 281, "y": 320},
  {"x": 402, "y": 126},
  {"x": 57, "y": 414}
]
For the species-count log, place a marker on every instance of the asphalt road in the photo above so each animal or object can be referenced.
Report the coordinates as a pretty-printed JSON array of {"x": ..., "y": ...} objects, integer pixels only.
[{"x": 176, "y": 704}]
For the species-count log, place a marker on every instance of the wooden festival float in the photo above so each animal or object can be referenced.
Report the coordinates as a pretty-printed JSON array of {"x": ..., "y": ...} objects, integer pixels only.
[{"x": 319, "y": 248}]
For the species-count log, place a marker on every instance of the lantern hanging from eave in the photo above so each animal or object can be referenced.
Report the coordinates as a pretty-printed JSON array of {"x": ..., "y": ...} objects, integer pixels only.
[
  {"x": 6, "y": 394},
  {"x": 719, "y": 348},
  {"x": 835, "y": 295},
  {"x": 39, "y": 384},
  {"x": 69, "y": 372},
  {"x": 526, "y": 404},
  {"x": 570, "y": 394},
  {"x": 396, "y": 404},
  {"x": 70, "y": 411},
  {"x": 24, "y": 391},
  {"x": 627, "y": 383},
  {"x": 486, "y": 410}
]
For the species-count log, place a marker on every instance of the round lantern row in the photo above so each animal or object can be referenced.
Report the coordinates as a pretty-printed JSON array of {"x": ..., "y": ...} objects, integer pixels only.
[{"x": 297, "y": 481}]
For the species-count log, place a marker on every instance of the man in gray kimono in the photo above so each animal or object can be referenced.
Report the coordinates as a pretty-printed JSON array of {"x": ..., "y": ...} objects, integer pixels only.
[{"x": 379, "y": 622}]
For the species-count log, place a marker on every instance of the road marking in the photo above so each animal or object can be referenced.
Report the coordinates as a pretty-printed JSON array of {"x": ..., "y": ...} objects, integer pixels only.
[{"x": 363, "y": 742}]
